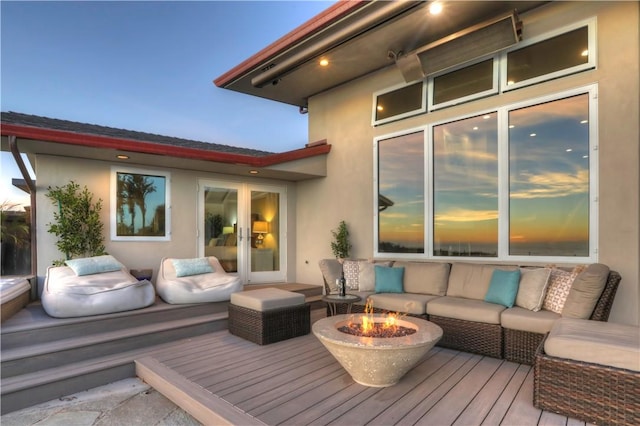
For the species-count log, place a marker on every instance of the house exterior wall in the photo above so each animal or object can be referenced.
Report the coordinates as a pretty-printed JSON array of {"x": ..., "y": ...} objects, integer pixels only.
[
  {"x": 55, "y": 171},
  {"x": 342, "y": 116}
]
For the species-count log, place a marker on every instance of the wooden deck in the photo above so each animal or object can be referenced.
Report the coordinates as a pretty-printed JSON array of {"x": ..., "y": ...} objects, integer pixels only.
[{"x": 223, "y": 379}]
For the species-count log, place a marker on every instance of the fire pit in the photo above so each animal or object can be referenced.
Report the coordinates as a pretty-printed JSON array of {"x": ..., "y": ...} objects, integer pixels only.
[{"x": 376, "y": 361}]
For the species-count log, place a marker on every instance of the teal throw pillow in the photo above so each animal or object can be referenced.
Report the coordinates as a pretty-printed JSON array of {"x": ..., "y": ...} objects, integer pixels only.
[
  {"x": 94, "y": 265},
  {"x": 187, "y": 267},
  {"x": 503, "y": 287},
  {"x": 389, "y": 279}
]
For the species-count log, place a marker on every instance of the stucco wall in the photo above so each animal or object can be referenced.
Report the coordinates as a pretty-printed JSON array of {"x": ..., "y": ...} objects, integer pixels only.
[
  {"x": 343, "y": 117},
  {"x": 96, "y": 175}
]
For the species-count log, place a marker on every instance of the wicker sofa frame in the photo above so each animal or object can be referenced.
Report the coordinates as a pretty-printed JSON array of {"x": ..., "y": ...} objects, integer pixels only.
[
  {"x": 589, "y": 392},
  {"x": 494, "y": 340}
]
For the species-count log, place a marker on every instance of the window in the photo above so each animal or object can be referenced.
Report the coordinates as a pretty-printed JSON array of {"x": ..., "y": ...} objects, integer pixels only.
[
  {"x": 139, "y": 205},
  {"x": 399, "y": 103},
  {"x": 465, "y": 187},
  {"x": 514, "y": 183},
  {"x": 549, "y": 178},
  {"x": 550, "y": 58},
  {"x": 560, "y": 53},
  {"x": 400, "y": 204},
  {"x": 465, "y": 84}
]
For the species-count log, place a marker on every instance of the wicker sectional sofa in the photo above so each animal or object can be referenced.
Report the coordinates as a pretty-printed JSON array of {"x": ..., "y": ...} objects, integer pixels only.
[{"x": 453, "y": 295}]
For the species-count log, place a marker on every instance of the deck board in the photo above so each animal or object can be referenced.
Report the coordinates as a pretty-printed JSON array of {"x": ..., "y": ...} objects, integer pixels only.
[{"x": 297, "y": 382}]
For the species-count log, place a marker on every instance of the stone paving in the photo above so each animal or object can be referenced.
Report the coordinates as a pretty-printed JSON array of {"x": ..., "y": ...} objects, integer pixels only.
[{"x": 127, "y": 402}]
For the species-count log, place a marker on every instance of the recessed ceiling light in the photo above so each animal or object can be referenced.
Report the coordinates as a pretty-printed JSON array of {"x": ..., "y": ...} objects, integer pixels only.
[
  {"x": 324, "y": 62},
  {"x": 122, "y": 157},
  {"x": 475, "y": 127},
  {"x": 379, "y": 107},
  {"x": 435, "y": 8},
  {"x": 253, "y": 172},
  {"x": 532, "y": 135},
  {"x": 511, "y": 126},
  {"x": 584, "y": 121},
  {"x": 569, "y": 150},
  {"x": 486, "y": 117},
  {"x": 585, "y": 53}
]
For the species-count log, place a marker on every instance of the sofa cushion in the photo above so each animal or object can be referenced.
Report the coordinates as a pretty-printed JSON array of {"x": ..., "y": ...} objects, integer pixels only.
[
  {"x": 94, "y": 265},
  {"x": 585, "y": 291},
  {"x": 465, "y": 309},
  {"x": 388, "y": 279},
  {"x": 523, "y": 319},
  {"x": 367, "y": 274},
  {"x": 605, "y": 343},
  {"x": 471, "y": 280},
  {"x": 409, "y": 303},
  {"x": 533, "y": 287},
  {"x": 558, "y": 289},
  {"x": 503, "y": 287},
  {"x": 351, "y": 273},
  {"x": 425, "y": 277},
  {"x": 188, "y": 267},
  {"x": 331, "y": 270}
]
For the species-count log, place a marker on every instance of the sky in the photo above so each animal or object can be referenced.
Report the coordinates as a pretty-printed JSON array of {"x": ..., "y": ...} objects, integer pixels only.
[{"x": 148, "y": 66}]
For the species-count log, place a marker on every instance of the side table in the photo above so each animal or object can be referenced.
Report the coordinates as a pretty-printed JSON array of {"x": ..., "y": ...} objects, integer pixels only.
[{"x": 334, "y": 299}]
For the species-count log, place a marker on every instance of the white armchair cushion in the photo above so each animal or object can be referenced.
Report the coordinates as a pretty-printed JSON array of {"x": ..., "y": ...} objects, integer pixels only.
[
  {"x": 66, "y": 294},
  {"x": 216, "y": 286}
]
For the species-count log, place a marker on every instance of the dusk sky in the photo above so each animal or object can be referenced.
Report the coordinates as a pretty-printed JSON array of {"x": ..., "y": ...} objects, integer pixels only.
[{"x": 148, "y": 66}]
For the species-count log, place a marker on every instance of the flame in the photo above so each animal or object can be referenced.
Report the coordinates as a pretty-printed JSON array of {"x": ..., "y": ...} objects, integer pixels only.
[{"x": 368, "y": 326}]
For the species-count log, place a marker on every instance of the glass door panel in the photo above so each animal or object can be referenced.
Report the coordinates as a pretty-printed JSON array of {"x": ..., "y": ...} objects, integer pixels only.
[
  {"x": 221, "y": 228},
  {"x": 266, "y": 250}
]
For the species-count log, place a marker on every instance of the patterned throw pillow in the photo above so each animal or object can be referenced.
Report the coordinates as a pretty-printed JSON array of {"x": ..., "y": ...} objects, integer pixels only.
[
  {"x": 351, "y": 273},
  {"x": 558, "y": 289}
]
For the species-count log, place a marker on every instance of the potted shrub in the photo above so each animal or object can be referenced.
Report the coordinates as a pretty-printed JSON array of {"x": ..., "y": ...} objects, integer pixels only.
[
  {"x": 77, "y": 222},
  {"x": 341, "y": 247}
]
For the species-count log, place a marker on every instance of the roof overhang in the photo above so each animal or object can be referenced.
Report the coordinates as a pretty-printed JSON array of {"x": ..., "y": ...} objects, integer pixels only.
[
  {"x": 301, "y": 164},
  {"x": 357, "y": 38}
]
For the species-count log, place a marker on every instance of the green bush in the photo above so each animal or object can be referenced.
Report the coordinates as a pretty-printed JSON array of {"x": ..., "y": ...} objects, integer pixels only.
[
  {"x": 77, "y": 222},
  {"x": 340, "y": 245}
]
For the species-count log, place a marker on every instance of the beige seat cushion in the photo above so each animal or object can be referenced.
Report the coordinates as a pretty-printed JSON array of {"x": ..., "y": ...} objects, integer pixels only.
[
  {"x": 415, "y": 304},
  {"x": 605, "y": 343},
  {"x": 331, "y": 270},
  {"x": 465, "y": 309},
  {"x": 425, "y": 277},
  {"x": 585, "y": 291},
  {"x": 265, "y": 299},
  {"x": 471, "y": 280},
  {"x": 522, "y": 319},
  {"x": 533, "y": 287}
]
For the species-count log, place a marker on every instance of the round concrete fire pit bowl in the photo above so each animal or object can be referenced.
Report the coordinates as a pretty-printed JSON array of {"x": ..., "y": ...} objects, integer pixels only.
[{"x": 376, "y": 361}]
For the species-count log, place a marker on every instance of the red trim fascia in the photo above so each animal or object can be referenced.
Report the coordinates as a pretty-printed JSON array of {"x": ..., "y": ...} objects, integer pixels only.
[
  {"x": 105, "y": 142},
  {"x": 329, "y": 16}
]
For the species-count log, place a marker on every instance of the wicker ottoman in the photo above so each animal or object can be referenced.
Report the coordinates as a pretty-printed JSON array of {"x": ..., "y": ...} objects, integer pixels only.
[
  {"x": 268, "y": 315},
  {"x": 589, "y": 370}
]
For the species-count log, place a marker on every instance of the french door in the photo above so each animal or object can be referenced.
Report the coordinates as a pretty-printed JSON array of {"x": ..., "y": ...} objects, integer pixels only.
[{"x": 244, "y": 226}]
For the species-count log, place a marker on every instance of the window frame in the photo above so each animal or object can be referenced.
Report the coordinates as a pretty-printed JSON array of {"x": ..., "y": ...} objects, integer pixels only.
[
  {"x": 421, "y": 110},
  {"x": 495, "y": 89},
  {"x": 500, "y": 63},
  {"x": 113, "y": 214},
  {"x": 376, "y": 182},
  {"x": 590, "y": 64},
  {"x": 503, "y": 182}
]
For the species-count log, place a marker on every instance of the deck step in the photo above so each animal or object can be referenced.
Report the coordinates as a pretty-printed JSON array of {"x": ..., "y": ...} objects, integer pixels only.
[
  {"x": 43, "y": 358},
  {"x": 25, "y": 359}
]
